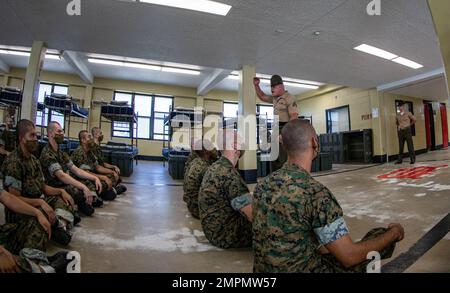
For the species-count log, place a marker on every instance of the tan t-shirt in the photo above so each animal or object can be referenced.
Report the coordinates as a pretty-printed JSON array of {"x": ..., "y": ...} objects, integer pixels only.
[
  {"x": 285, "y": 105},
  {"x": 405, "y": 120}
]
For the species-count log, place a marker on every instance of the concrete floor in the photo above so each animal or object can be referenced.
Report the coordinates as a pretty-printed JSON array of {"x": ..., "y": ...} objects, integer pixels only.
[{"x": 149, "y": 229}]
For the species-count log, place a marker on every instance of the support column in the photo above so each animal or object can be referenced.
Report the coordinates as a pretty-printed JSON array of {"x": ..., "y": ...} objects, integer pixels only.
[
  {"x": 439, "y": 11},
  {"x": 378, "y": 126},
  {"x": 197, "y": 132},
  {"x": 5, "y": 80},
  {"x": 88, "y": 101},
  {"x": 31, "y": 89},
  {"x": 247, "y": 126}
]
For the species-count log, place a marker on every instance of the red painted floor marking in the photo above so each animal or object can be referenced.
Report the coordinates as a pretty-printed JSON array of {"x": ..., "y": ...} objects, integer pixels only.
[{"x": 411, "y": 173}]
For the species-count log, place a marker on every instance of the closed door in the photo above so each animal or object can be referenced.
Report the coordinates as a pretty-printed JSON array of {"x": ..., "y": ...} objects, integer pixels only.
[{"x": 444, "y": 125}]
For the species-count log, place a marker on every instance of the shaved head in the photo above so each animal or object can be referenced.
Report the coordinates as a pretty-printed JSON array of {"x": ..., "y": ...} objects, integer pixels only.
[
  {"x": 94, "y": 130},
  {"x": 52, "y": 126},
  {"x": 297, "y": 137},
  {"x": 82, "y": 134},
  {"x": 23, "y": 127}
]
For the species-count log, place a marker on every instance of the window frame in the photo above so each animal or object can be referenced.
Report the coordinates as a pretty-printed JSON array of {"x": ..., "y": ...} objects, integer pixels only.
[
  {"x": 329, "y": 122},
  {"x": 152, "y": 118}
]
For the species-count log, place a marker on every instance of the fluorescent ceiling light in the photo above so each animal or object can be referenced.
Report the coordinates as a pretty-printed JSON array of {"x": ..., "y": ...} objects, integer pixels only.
[
  {"x": 52, "y": 56},
  {"x": 389, "y": 56},
  {"x": 408, "y": 63},
  {"x": 27, "y": 54},
  {"x": 196, "y": 5},
  {"x": 179, "y": 70},
  {"x": 124, "y": 64},
  {"x": 16, "y": 53},
  {"x": 302, "y": 85},
  {"x": 143, "y": 66},
  {"x": 287, "y": 81},
  {"x": 376, "y": 51},
  {"x": 105, "y": 62}
]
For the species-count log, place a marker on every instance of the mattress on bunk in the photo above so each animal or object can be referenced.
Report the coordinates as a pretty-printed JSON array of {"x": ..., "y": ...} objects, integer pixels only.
[
  {"x": 57, "y": 101},
  {"x": 80, "y": 111},
  {"x": 165, "y": 153},
  {"x": 111, "y": 110},
  {"x": 113, "y": 146},
  {"x": 65, "y": 103},
  {"x": 180, "y": 116},
  {"x": 11, "y": 95}
]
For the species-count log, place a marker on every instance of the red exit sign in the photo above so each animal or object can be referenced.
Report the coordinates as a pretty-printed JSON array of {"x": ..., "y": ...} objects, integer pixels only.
[{"x": 411, "y": 173}]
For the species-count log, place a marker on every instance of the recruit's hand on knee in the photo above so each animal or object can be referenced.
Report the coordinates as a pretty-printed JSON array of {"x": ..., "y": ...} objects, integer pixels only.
[
  {"x": 117, "y": 170},
  {"x": 67, "y": 198},
  {"x": 400, "y": 231},
  {"x": 44, "y": 223},
  {"x": 49, "y": 211},
  {"x": 108, "y": 182},
  {"x": 98, "y": 185},
  {"x": 88, "y": 195}
]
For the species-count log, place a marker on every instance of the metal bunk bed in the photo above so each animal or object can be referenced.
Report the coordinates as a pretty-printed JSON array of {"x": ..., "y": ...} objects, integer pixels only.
[
  {"x": 121, "y": 112},
  {"x": 174, "y": 121},
  {"x": 11, "y": 97},
  {"x": 65, "y": 105},
  {"x": 169, "y": 121}
]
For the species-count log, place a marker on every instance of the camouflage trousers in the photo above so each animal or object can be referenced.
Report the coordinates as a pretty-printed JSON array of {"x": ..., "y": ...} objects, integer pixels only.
[
  {"x": 192, "y": 204},
  {"x": 113, "y": 179},
  {"x": 26, "y": 233},
  {"x": 62, "y": 211},
  {"x": 92, "y": 187},
  {"x": 237, "y": 233},
  {"x": 335, "y": 266},
  {"x": 76, "y": 194},
  {"x": 30, "y": 260}
]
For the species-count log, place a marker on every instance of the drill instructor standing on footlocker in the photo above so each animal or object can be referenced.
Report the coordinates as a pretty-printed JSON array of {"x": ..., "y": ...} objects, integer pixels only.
[{"x": 284, "y": 105}]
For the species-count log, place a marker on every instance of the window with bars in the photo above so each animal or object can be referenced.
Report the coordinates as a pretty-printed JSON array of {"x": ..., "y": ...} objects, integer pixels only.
[
  {"x": 151, "y": 111},
  {"x": 49, "y": 115}
]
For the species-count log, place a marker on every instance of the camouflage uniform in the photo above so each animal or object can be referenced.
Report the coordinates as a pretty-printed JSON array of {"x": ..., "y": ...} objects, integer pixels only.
[
  {"x": 222, "y": 194},
  {"x": 53, "y": 161},
  {"x": 293, "y": 216},
  {"x": 192, "y": 182},
  {"x": 8, "y": 141},
  {"x": 25, "y": 175},
  {"x": 27, "y": 233},
  {"x": 29, "y": 260},
  {"x": 97, "y": 152},
  {"x": 192, "y": 156},
  {"x": 88, "y": 162}
]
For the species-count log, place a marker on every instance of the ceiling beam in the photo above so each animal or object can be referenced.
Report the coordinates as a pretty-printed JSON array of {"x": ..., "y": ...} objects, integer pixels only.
[
  {"x": 74, "y": 60},
  {"x": 4, "y": 68},
  {"x": 212, "y": 80},
  {"x": 412, "y": 80}
]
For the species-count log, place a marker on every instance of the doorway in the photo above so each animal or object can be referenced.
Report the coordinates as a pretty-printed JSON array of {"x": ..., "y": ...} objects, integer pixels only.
[
  {"x": 429, "y": 125},
  {"x": 443, "y": 109}
]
